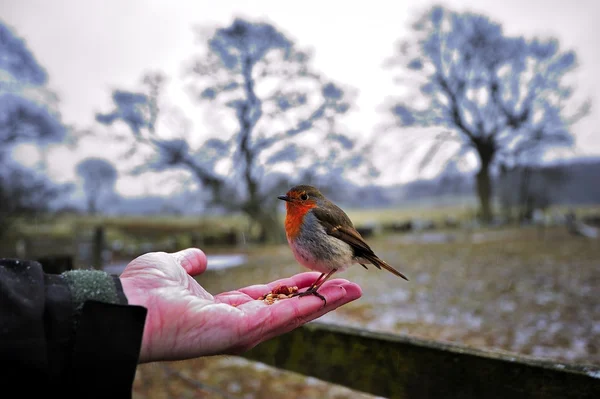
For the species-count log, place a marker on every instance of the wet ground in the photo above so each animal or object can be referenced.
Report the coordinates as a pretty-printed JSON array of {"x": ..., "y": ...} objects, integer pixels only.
[{"x": 521, "y": 290}]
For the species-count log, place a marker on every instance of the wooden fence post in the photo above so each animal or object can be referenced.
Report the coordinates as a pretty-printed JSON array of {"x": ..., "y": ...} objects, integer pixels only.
[{"x": 98, "y": 247}]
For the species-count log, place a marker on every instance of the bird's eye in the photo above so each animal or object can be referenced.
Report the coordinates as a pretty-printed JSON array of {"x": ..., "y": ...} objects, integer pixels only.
[{"x": 304, "y": 196}]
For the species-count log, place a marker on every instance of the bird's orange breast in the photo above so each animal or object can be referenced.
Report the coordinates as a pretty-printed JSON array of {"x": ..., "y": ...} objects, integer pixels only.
[{"x": 294, "y": 218}]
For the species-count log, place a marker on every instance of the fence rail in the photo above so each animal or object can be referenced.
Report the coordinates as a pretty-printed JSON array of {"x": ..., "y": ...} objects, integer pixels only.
[{"x": 406, "y": 367}]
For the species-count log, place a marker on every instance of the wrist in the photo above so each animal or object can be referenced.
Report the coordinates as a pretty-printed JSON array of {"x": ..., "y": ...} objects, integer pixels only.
[
  {"x": 131, "y": 292},
  {"x": 137, "y": 296}
]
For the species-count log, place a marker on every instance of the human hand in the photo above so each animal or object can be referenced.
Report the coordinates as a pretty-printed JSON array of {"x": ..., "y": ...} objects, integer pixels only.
[{"x": 185, "y": 321}]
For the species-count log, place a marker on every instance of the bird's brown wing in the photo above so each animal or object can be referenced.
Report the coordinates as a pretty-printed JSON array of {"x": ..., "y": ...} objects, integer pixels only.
[{"x": 337, "y": 224}]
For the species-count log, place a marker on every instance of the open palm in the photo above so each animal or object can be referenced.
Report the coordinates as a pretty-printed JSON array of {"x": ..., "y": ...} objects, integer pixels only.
[{"x": 186, "y": 321}]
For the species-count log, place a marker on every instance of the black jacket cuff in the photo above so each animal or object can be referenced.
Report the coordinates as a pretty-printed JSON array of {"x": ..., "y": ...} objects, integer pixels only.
[{"x": 107, "y": 345}]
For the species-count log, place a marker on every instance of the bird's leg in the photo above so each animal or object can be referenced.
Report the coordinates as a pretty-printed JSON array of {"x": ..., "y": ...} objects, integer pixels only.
[
  {"x": 325, "y": 279},
  {"x": 312, "y": 290},
  {"x": 313, "y": 285}
]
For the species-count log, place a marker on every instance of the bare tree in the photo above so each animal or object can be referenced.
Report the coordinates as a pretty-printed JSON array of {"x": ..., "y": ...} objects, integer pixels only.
[
  {"x": 498, "y": 96},
  {"x": 99, "y": 177},
  {"x": 284, "y": 117},
  {"x": 26, "y": 116}
]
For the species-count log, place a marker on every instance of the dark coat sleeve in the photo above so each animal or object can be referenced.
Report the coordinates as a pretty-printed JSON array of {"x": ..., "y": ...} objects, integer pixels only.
[{"x": 73, "y": 335}]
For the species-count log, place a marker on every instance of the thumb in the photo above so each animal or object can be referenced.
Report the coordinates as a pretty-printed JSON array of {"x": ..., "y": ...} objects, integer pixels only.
[{"x": 193, "y": 260}]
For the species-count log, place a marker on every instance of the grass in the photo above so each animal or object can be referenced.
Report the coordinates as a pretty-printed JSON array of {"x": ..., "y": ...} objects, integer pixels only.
[
  {"x": 509, "y": 288},
  {"x": 513, "y": 288}
]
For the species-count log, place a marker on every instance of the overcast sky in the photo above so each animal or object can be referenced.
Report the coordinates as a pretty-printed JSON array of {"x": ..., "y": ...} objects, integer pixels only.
[{"x": 91, "y": 47}]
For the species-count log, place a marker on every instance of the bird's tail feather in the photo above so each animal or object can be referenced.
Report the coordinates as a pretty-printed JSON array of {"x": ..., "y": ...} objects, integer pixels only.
[{"x": 382, "y": 264}]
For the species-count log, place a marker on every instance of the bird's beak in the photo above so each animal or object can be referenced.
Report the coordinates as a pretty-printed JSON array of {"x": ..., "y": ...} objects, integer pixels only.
[{"x": 284, "y": 198}]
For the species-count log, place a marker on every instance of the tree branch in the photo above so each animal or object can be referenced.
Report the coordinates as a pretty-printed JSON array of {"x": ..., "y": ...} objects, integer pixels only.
[{"x": 454, "y": 107}]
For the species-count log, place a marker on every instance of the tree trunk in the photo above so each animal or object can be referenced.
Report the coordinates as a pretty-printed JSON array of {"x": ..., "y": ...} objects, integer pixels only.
[
  {"x": 92, "y": 204},
  {"x": 271, "y": 228},
  {"x": 264, "y": 215},
  {"x": 484, "y": 191},
  {"x": 525, "y": 200}
]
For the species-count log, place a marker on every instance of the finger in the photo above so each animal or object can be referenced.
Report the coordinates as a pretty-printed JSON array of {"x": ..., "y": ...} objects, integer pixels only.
[
  {"x": 193, "y": 260},
  {"x": 286, "y": 315},
  {"x": 254, "y": 291},
  {"x": 298, "y": 309},
  {"x": 251, "y": 293},
  {"x": 301, "y": 280},
  {"x": 257, "y": 291},
  {"x": 261, "y": 313},
  {"x": 353, "y": 292}
]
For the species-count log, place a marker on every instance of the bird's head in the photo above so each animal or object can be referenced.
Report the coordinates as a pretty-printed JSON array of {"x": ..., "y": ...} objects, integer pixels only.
[{"x": 302, "y": 197}]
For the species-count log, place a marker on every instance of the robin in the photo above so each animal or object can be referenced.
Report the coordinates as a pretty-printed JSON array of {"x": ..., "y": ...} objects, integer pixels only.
[{"x": 323, "y": 238}]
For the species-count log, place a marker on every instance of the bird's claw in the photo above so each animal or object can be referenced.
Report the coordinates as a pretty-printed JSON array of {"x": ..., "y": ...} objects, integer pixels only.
[{"x": 311, "y": 292}]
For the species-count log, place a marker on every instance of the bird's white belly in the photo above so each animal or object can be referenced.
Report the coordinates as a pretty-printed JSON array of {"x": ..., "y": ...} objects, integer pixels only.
[{"x": 336, "y": 254}]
